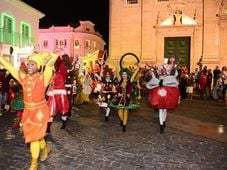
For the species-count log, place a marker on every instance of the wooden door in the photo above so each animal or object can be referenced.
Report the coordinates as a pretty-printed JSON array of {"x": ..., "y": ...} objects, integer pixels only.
[{"x": 179, "y": 47}]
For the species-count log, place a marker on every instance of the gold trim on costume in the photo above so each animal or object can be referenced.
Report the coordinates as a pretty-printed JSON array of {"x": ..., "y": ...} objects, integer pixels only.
[{"x": 31, "y": 105}]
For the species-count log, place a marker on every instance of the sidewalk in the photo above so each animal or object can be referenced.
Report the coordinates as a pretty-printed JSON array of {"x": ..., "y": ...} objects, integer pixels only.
[
  {"x": 196, "y": 127},
  {"x": 181, "y": 121}
]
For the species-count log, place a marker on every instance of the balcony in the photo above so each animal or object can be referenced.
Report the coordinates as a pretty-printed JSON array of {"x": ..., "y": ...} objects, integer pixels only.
[{"x": 15, "y": 39}]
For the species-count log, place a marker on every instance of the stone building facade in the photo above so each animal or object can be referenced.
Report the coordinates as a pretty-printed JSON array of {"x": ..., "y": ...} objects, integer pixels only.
[{"x": 155, "y": 30}]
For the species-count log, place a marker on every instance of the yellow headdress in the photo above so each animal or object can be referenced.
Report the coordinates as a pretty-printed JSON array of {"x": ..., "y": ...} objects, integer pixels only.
[{"x": 36, "y": 57}]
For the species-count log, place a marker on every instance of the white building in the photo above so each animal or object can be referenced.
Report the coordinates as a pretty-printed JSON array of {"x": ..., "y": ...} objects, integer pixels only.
[
  {"x": 154, "y": 30},
  {"x": 80, "y": 41},
  {"x": 19, "y": 25}
]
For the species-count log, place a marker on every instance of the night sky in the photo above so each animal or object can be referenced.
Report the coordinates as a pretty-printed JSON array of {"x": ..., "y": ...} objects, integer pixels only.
[{"x": 70, "y": 12}]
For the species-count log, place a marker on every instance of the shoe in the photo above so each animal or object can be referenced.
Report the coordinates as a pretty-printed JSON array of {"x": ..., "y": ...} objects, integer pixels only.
[
  {"x": 124, "y": 128},
  {"x": 48, "y": 130},
  {"x": 69, "y": 114},
  {"x": 121, "y": 123},
  {"x": 63, "y": 124},
  {"x": 48, "y": 127},
  {"x": 106, "y": 118},
  {"x": 44, "y": 153},
  {"x": 161, "y": 129},
  {"x": 34, "y": 164}
]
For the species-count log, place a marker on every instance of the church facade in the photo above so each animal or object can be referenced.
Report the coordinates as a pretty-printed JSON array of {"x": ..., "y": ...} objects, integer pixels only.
[{"x": 154, "y": 30}]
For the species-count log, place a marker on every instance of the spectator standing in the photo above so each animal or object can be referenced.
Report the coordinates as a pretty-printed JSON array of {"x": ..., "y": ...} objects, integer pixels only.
[
  {"x": 197, "y": 77},
  {"x": 216, "y": 73},
  {"x": 209, "y": 82},
  {"x": 203, "y": 84}
]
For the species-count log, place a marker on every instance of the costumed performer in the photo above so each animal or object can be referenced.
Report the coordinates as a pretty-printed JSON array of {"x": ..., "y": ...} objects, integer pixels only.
[
  {"x": 36, "y": 111},
  {"x": 107, "y": 91},
  {"x": 58, "y": 101},
  {"x": 123, "y": 96},
  {"x": 164, "y": 93},
  {"x": 69, "y": 63}
]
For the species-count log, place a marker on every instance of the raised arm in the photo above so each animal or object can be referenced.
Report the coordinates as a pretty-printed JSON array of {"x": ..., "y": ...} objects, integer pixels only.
[
  {"x": 9, "y": 67},
  {"x": 134, "y": 74},
  {"x": 50, "y": 59},
  {"x": 118, "y": 74}
]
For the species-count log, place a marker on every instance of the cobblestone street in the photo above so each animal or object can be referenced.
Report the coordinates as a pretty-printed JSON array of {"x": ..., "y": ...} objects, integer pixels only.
[{"x": 90, "y": 143}]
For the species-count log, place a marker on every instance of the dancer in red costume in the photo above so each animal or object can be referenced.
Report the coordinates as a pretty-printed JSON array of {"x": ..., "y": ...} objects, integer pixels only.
[
  {"x": 164, "y": 93},
  {"x": 58, "y": 100}
]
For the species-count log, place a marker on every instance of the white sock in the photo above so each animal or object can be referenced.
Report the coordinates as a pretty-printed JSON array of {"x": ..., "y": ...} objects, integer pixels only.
[{"x": 107, "y": 111}]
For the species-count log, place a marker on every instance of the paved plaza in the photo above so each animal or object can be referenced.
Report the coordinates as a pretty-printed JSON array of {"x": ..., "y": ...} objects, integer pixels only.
[{"x": 90, "y": 143}]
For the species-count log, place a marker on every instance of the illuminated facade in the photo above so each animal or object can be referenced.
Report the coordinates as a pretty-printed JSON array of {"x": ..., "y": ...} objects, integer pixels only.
[
  {"x": 154, "y": 30},
  {"x": 19, "y": 25},
  {"x": 80, "y": 41}
]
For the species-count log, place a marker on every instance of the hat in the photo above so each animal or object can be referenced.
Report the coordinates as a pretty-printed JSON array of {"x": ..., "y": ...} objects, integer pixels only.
[
  {"x": 129, "y": 73},
  {"x": 37, "y": 58}
]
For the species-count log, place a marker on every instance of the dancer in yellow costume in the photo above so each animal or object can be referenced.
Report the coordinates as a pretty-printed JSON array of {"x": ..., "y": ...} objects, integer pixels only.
[{"x": 36, "y": 112}]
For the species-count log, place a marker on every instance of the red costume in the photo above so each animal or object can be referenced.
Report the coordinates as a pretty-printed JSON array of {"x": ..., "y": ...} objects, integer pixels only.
[
  {"x": 58, "y": 100},
  {"x": 164, "y": 97}
]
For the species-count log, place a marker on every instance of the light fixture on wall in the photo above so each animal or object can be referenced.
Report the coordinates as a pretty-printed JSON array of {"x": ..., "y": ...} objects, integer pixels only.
[{"x": 11, "y": 50}]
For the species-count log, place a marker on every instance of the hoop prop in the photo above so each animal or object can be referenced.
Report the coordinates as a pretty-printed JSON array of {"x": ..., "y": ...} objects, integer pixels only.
[{"x": 132, "y": 54}]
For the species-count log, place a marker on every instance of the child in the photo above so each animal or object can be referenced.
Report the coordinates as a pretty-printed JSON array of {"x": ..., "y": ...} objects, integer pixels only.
[
  {"x": 36, "y": 112},
  {"x": 16, "y": 102}
]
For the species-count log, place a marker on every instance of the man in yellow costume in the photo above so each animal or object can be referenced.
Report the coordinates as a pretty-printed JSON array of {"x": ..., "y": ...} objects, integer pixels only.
[{"x": 36, "y": 112}]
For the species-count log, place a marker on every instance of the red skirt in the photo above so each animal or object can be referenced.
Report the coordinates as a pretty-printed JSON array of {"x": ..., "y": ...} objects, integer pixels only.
[{"x": 164, "y": 97}]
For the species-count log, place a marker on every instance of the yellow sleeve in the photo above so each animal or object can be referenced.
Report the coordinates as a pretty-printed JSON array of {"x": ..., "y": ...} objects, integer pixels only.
[
  {"x": 118, "y": 74},
  {"x": 48, "y": 72},
  {"x": 9, "y": 67},
  {"x": 134, "y": 75}
]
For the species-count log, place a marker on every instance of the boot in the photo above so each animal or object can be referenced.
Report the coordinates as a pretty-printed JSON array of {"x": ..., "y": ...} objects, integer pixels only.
[
  {"x": 161, "y": 129},
  {"x": 121, "y": 123},
  {"x": 48, "y": 127},
  {"x": 124, "y": 128},
  {"x": 44, "y": 153},
  {"x": 106, "y": 118},
  {"x": 69, "y": 114},
  {"x": 63, "y": 124},
  {"x": 164, "y": 125},
  {"x": 34, "y": 164}
]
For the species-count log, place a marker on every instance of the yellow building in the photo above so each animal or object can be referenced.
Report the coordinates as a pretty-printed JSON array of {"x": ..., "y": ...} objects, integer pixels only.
[{"x": 154, "y": 30}]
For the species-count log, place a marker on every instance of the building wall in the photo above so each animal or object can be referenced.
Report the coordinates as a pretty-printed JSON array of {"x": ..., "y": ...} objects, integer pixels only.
[
  {"x": 21, "y": 12},
  {"x": 83, "y": 33},
  {"x": 138, "y": 28}
]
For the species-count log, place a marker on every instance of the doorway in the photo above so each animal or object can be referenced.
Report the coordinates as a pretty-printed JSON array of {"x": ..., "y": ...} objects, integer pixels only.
[{"x": 179, "y": 47}]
